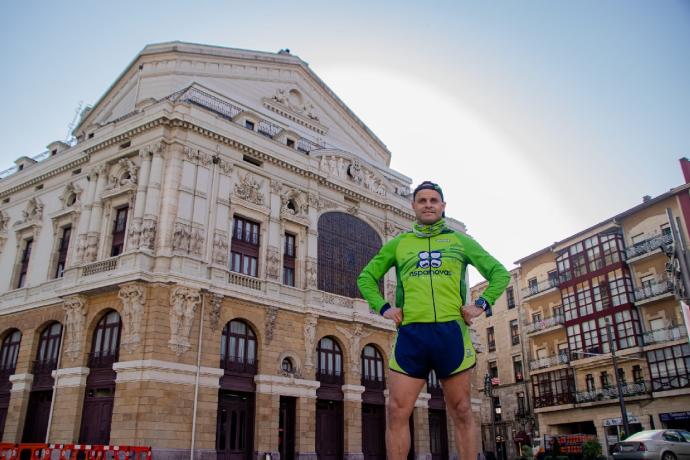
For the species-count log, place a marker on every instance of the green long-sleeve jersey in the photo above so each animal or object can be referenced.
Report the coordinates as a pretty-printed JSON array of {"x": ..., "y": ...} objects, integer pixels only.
[{"x": 431, "y": 275}]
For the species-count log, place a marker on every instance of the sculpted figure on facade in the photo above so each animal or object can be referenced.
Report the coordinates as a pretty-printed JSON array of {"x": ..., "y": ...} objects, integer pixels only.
[
  {"x": 250, "y": 189},
  {"x": 33, "y": 212},
  {"x": 4, "y": 220},
  {"x": 271, "y": 315},
  {"x": 82, "y": 243},
  {"x": 355, "y": 338},
  {"x": 148, "y": 234},
  {"x": 183, "y": 303},
  {"x": 196, "y": 244},
  {"x": 215, "y": 303},
  {"x": 127, "y": 171},
  {"x": 133, "y": 300},
  {"x": 355, "y": 172},
  {"x": 311, "y": 271},
  {"x": 294, "y": 203},
  {"x": 75, "y": 320},
  {"x": 181, "y": 237},
  {"x": 273, "y": 262},
  {"x": 133, "y": 234},
  {"x": 220, "y": 248},
  {"x": 309, "y": 339},
  {"x": 71, "y": 196}
]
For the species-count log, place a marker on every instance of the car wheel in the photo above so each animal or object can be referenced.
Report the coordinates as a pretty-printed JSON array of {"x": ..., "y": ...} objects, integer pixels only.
[{"x": 668, "y": 456}]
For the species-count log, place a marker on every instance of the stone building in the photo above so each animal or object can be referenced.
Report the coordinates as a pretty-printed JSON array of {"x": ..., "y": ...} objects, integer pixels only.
[
  {"x": 608, "y": 286},
  {"x": 507, "y": 415},
  {"x": 183, "y": 274}
]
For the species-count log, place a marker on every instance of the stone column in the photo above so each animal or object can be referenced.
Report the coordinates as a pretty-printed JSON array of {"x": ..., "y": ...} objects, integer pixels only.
[
  {"x": 173, "y": 175},
  {"x": 266, "y": 425},
  {"x": 152, "y": 209},
  {"x": 352, "y": 409},
  {"x": 16, "y": 412},
  {"x": 452, "y": 444},
  {"x": 269, "y": 388},
  {"x": 86, "y": 216},
  {"x": 70, "y": 384},
  {"x": 422, "y": 444},
  {"x": 95, "y": 220},
  {"x": 140, "y": 201}
]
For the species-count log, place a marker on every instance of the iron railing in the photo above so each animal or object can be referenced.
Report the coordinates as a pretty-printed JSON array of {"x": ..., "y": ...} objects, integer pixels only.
[
  {"x": 239, "y": 364},
  {"x": 664, "y": 335},
  {"x": 648, "y": 245},
  {"x": 333, "y": 378},
  {"x": 602, "y": 394},
  {"x": 545, "y": 323},
  {"x": 653, "y": 289},
  {"x": 535, "y": 289},
  {"x": 549, "y": 361}
]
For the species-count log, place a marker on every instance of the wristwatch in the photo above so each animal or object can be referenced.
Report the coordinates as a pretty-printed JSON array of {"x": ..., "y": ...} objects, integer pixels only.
[{"x": 483, "y": 304}]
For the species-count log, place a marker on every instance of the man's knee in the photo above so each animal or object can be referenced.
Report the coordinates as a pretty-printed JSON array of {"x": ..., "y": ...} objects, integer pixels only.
[
  {"x": 462, "y": 409},
  {"x": 399, "y": 409}
]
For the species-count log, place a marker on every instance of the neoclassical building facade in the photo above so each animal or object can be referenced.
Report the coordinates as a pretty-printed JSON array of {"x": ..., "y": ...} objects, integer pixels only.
[{"x": 182, "y": 275}]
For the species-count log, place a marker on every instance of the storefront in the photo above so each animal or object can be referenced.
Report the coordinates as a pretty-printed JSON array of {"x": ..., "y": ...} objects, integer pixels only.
[
  {"x": 677, "y": 420},
  {"x": 613, "y": 427}
]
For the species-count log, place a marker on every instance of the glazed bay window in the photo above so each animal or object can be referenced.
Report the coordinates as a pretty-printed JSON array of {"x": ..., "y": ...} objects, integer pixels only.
[
  {"x": 24, "y": 262},
  {"x": 627, "y": 328},
  {"x": 670, "y": 367},
  {"x": 245, "y": 247},
  {"x": 289, "y": 260},
  {"x": 63, "y": 246},
  {"x": 589, "y": 256},
  {"x": 119, "y": 231}
]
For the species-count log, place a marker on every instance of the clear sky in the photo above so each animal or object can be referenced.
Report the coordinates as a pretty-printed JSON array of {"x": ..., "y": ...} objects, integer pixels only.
[{"x": 539, "y": 118}]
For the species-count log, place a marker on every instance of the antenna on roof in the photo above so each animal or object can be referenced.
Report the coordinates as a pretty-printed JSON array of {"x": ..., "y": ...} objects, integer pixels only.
[{"x": 69, "y": 138}]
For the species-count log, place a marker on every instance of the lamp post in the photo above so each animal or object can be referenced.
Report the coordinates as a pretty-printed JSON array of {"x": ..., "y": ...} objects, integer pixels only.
[
  {"x": 621, "y": 399},
  {"x": 489, "y": 392}
]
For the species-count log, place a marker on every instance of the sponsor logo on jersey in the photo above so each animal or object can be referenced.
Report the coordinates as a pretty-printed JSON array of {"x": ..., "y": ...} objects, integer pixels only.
[{"x": 428, "y": 259}]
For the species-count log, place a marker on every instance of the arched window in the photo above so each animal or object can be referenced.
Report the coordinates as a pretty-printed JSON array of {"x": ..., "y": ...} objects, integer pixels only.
[
  {"x": 372, "y": 368},
  {"x": 238, "y": 348},
  {"x": 10, "y": 351},
  {"x": 330, "y": 361},
  {"x": 105, "y": 347},
  {"x": 346, "y": 244},
  {"x": 48, "y": 348}
]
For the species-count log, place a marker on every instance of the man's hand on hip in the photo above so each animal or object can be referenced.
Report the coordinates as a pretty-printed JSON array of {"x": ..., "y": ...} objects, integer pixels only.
[
  {"x": 396, "y": 314},
  {"x": 469, "y": 312}
]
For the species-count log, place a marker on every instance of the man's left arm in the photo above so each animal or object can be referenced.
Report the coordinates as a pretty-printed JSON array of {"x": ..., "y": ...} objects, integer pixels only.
[{"x": 490, "y": 268}]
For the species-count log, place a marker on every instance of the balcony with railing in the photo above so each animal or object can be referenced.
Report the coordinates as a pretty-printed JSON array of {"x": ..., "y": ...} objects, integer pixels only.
[
  {"x": 603, "y": 394},
  {"x": 373, "y": 384},
  {"x": 330, "y": 378},
  {"x": 239, "y": 365},
  {"x": 545, "y": 324},
  {"x": 652, "y": 290},
  {"x": 648, "y": 246},
  {"x": 664, "y": 335},
  {"x": 548, "y": 400},
  {"x": 536, "y": 289},
  {"x": 549, "y": 361},
  {"x": 102, "y": 360}
]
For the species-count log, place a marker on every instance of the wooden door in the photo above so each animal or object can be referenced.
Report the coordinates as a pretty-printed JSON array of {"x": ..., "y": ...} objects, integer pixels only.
[
  {"x": 235, "y": 427},
  {"x": 374, "y": 431},
  {"x": 329, "y": 430}
]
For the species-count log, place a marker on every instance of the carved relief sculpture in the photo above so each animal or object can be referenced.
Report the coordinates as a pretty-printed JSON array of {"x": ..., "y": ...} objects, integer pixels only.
[
  {"x": 215, "y": 303},
  {"x": 4, "y": 220},
  {"x": 355, "y": 337},
  {"x": 220, "y": 248},
  {"x": 33, "y": 214},
  {"x": 309, "y": 339},
  {"x": 183, "y": 303},
  {"x": 133, "y": 234},
  {"x": 271, "y": 315},
  {"x": 273, "y": 262},
  {"x": 181, "y": 237},
  {"x": 148, "y": 234},
  {"x": 75, "y": 319},
  {"x": 294, "y": 202},
  {"x": 71, "y": 196},
  {"x": 133, "y": 300},
  {"x": 250, "y": 189},
  {"x": 128, "y": 174},
  {"x": 311, "y": 271}
]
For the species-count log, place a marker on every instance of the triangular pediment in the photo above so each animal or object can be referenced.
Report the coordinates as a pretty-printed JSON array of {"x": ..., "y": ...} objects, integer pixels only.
[{"x": 279, "y": 87}]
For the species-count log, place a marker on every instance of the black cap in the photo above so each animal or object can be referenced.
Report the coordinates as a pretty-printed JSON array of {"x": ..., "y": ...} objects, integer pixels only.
[{"x": 428, "y": 185}]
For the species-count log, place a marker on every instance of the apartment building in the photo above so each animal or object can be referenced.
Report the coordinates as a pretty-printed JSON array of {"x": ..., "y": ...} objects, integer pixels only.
[
  {"x": 601, "y": 289},
  {"x": 507, "y": 419},
  {"x": 183, "y": 274}
]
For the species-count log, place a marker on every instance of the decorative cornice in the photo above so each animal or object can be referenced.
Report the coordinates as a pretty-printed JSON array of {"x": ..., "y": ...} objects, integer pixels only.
[{"x": 44, "y": 176}]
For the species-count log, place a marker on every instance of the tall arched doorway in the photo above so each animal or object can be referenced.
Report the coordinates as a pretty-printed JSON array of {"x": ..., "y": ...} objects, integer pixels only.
[
  {"x": 373, "y": 405},
  {"x": 8, "y": 363},
  {"x": 100, "y": 384},
  {"x": 329, "y": 402},
  {"x": 38, "y": 411},
  {"x": 235, "y": 422}
]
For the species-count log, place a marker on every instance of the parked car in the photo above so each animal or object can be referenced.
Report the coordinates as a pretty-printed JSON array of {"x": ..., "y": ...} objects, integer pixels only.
[{"x": 654, "y": 445}]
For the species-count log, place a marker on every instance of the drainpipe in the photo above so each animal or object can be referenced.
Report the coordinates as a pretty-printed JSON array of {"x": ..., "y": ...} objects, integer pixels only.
[
  {"x": 55, "y": 384},
  {"x": 196, "y": 381}
]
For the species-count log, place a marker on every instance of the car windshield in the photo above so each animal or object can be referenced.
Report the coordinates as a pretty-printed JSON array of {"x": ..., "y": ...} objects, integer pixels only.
[
  {"x": 641, "y": 435},
  {"x": 685, "y": 435}
]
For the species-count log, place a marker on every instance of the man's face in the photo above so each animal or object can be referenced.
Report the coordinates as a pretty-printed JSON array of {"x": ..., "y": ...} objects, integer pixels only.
[{"x": 428, "y": 207}]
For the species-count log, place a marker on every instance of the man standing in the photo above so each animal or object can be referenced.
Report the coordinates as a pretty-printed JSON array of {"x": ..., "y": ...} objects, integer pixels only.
[{"x": 430, "y": 264}]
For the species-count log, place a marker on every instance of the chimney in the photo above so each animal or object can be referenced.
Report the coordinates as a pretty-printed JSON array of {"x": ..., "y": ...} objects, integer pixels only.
[
  {"x": 646, "y": 198},
  {"x": 685, "y": 167}
]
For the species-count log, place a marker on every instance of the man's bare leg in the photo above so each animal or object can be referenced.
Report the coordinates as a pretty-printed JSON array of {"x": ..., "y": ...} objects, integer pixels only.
[
  {"x": 457, "y": 392},
  {"x": 403, "y": 392}
]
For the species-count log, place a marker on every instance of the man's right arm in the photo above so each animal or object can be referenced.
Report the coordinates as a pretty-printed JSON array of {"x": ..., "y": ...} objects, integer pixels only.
[{"x": 368, "y": 280}]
